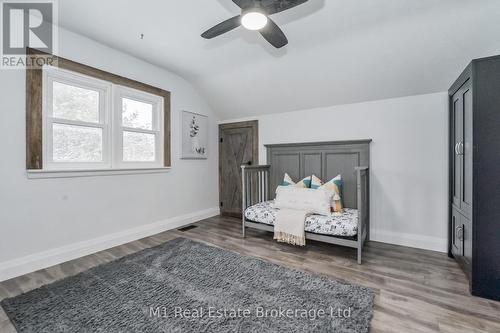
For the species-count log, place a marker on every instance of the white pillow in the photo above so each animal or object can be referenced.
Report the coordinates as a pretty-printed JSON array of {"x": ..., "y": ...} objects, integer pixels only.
[{"x": 312, "y": 201}]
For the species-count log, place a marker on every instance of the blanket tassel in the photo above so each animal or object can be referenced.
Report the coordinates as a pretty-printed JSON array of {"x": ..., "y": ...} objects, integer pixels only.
[{"x": 283, "y": 237}]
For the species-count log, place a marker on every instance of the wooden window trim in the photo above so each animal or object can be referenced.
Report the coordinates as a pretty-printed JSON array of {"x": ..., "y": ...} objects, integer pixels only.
[{"x": 34, "y": 93}]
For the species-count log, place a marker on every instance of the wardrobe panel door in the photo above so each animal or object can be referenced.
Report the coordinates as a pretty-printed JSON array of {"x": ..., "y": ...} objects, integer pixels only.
[
  {"x": 457, "y": 120},
  {"x": 466, "y": 152},
  {"x": 456, "y": 239},
  {"x": 467, "y": 243}
]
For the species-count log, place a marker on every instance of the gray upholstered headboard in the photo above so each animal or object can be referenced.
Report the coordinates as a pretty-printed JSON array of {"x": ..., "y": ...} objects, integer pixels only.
[{"x": 323, "y": 159}]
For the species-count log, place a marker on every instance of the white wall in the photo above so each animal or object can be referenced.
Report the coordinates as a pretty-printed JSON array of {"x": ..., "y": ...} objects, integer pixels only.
[
  {"x": 45, "y": 221},
  {"x": 408, "y": 159}
]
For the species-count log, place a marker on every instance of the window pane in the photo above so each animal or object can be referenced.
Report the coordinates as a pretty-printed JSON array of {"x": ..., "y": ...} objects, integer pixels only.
[
  {"x": 76, "y": 143},
  {"x": 138, "y": 147},
  {"x": 74, "y": 103},
  {"x": 137, "y": 114}
]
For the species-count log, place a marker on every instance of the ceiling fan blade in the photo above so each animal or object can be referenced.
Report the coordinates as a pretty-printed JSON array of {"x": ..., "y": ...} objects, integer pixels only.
[
  {"x": 244, "y": 3},
  {"x": 276, "y": 6},
  {"x": 223, "y": 27},
  {"x": 273, "y": 34}
]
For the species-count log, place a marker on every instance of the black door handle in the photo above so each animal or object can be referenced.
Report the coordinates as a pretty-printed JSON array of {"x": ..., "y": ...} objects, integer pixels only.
[{"x": 249, "y": 163}]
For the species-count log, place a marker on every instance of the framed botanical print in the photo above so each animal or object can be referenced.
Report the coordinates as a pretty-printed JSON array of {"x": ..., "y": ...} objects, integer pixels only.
[{"x": 194, "y": 140}]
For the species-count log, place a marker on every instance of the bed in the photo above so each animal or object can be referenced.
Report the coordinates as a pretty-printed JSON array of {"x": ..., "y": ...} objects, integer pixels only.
[
  {"x": 343, "y": 224},
  {"x": 326, "y": 160}
]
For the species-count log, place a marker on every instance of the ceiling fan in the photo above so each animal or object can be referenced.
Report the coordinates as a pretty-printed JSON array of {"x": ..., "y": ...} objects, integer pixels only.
[{"x": 255, "y": 16}]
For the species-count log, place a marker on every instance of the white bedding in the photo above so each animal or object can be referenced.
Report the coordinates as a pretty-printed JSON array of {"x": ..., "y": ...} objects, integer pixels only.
[{"x": 344, "y": 224}]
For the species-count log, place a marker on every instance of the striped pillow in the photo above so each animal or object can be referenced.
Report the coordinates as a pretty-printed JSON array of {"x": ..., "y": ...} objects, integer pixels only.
[
  {"x": 304, "y": 183},
  {"x": 335, "y": 186}
]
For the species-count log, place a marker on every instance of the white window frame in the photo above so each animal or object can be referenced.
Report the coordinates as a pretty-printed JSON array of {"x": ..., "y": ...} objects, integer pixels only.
[
  {"x": 51, "y": 75},
  {"x": 110, "y": 121},
  {"x": 119, "y": 93}
]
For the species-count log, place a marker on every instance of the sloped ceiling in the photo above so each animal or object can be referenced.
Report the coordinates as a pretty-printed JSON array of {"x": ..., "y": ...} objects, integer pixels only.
[{"x": 340, "y": 51}]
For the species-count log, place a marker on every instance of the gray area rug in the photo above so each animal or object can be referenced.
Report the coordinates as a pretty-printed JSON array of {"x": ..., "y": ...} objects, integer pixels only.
[{"x": 185, "y": 286}]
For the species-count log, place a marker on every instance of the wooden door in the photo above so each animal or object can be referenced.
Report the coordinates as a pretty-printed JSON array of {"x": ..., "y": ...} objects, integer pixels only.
[{"x": 238, "y": 145}]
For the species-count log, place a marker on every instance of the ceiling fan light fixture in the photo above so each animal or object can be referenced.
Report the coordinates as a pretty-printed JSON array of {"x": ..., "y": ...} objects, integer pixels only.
[
  {"x": 254, "y": 20},
  {"x": 255, "y": 16}
]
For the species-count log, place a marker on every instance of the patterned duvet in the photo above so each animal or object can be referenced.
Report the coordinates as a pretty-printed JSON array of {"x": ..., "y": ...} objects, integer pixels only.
[{"x": 345, "y": 224}]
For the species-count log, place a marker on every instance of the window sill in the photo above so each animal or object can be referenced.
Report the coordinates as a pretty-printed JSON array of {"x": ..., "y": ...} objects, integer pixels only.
[{"x": 44, "y": 174}]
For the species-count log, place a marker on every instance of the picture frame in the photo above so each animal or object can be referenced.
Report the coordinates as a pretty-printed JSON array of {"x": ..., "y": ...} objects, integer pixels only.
[{"x": 194, "y": 135}]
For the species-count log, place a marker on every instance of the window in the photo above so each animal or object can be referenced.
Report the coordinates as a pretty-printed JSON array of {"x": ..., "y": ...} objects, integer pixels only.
[
  {"x": 80, "y": 119},
  {"x": 90, "y": 123},
  {"x": 139, "y": 133}
]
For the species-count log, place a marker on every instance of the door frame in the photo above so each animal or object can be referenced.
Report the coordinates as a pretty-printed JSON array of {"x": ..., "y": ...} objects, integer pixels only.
[{"x": 254, "y": 125}]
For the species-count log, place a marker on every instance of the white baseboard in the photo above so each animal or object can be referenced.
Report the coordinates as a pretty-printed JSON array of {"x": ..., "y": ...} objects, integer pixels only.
[
  {"x": 410, "y": 240},
  {"x": 16, "y": 267}
]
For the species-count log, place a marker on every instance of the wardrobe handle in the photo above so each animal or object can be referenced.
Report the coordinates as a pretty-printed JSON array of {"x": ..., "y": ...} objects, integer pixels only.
[
  {"x": 456, "y": 148},
  {"x": 460, "y": 233},
  {"x": 461, "y": 148}
]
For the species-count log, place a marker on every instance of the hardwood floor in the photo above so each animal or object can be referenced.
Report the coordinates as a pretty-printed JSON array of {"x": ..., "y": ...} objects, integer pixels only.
[{"x": 416, "y": 290}]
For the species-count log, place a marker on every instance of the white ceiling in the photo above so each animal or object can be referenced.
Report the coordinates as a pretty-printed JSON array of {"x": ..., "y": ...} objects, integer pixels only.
[{"x": 340, "y": 51}]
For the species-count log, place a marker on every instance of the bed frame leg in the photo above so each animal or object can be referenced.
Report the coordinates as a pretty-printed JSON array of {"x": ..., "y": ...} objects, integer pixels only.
[
  {"x": 359, "y": 255},
  {"x": 244, "y": 231}
]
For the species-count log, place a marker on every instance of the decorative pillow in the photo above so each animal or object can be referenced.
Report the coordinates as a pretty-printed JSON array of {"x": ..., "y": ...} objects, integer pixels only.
[
  {"x": 315, "y": 182},
  {"x": 312, "y": 201},
  {"x": 335, "y": 186},
  {"x": 304, "y": 183}
]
